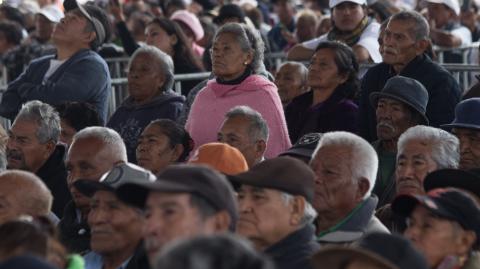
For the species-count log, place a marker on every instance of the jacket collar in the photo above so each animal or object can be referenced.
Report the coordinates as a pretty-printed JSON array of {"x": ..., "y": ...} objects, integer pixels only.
[
  {"x": 290, "y": 243},
  {"x": 354, "y": 225}
]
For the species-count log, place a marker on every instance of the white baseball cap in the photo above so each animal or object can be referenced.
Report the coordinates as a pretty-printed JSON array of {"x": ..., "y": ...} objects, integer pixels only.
[
  {"x": 334, "y": 3},
  {"x": 52, "y": 13},
  {"x": 452, "y": 4}
]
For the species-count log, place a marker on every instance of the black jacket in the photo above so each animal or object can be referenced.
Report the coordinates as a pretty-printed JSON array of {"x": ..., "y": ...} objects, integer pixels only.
[
  {"x": 295, "y": 250},
  {"x": 54, "y": 175},
  {"x": 74, "y": 235},
  {"x": 443, "y": 91}
]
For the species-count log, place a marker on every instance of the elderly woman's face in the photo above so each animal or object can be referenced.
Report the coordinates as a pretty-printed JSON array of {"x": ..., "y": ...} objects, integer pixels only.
[
  {"x": 323, "y": 71},
  {"x": 144, "y": 78},
  {"x": 154, "y": 151},
  {"x": 229, "y": 61},
  {"x": 436, "y": 238}
]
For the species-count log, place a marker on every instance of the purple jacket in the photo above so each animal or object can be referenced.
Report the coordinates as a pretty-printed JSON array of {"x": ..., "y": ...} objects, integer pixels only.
[
  {"x": 337, "y": 113},
  {"x": 215, "y": 100}
]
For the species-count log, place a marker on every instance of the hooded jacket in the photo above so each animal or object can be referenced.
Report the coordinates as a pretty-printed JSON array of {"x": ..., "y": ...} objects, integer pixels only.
[
  {"x": 215, "y": 100},
  {"x": 130, "y": 119}
]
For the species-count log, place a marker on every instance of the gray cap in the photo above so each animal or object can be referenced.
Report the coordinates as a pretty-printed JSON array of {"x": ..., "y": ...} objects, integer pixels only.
[
  {"x": 110, "y": 181},
  {"x": 406, "y": 90}
]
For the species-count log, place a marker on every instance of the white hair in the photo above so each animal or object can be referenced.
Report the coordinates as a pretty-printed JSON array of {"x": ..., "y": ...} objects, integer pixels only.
[
  {"x": 363, "y": 159},
  {"x": 309, "y": 213},
  {"x": 109, "y": 137},
  {"x": 445, "y": 147}
]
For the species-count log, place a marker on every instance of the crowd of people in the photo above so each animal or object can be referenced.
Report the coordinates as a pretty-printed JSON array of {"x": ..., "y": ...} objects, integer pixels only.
[{"x": 367, "y": 156}]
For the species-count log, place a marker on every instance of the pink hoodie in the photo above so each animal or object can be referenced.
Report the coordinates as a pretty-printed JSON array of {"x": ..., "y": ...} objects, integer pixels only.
[{"x": 215, "y": 100}]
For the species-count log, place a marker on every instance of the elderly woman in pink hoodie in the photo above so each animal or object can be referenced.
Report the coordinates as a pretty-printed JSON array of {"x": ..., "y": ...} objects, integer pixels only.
[{"x": 237, "y": 60}]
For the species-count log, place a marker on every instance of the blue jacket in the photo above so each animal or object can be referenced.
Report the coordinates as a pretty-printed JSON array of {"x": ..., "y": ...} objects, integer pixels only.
[
  {"x": 84, "y": 77},
  {"x": 130, "y": 119}
]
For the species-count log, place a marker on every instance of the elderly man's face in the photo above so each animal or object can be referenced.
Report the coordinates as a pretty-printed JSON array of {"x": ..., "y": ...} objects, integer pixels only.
[
  {"x": 115, "y": 227},
  {"x": 87, "y": 158},
  {"x": 145, "y": 78},
  {"x": 335, "y": 188},
  {"x": 24, "y": 150},
  {"x": 414, "y": 162},
  {"x": 393, "y": 118},
  {"x": 436, "y": 238},
  {"x": 399, "y": 47},
  {"x": 235, "y": 132},
  {"x": 265, "y": 217},
  {"x": 289, "y": 82},
  {"x": 469, "y": 147},
  {"x": 170, "y": 217}
]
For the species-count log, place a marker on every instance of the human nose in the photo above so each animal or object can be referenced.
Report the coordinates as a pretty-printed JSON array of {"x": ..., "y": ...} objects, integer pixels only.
[{"x": 245, "y": 204}]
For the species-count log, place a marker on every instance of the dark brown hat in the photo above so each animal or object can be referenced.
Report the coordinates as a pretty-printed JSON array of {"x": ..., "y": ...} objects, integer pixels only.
[
  {"x": 282, "y": 173},
  {"x": 185, "y": 178}
]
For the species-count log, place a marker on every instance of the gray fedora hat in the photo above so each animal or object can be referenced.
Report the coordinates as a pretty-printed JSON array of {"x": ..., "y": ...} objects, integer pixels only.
[
  {"x": 406, "y": 90},
  {"x": 467, "y": 115}
]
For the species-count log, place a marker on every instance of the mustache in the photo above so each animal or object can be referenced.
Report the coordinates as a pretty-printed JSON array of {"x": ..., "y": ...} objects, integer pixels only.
[
  {"x": 14, "y": 154},
  {"x": 387, "y": 125}
]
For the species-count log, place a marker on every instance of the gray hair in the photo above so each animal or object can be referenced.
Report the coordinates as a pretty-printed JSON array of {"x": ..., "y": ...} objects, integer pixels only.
[
  {"x": 309, "y": 213},
  {"x": 445, "y": 146},
  {"x": 258, "y": 129},
  {"x": 301, "y": 68},
  {"x": 3, "y": 160},
  {"x": 45, "y": 116},
  {"x": 363, "y": 160},
  {"x": 249, "y": 40},
  {"x": 420, "y": 29},
  {"x": 109, "y": 137},
  {"x": 164, "y": 61}
]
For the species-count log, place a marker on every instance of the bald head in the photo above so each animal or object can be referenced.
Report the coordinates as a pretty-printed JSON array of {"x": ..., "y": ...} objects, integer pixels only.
[{"x": 23, "y": 193}]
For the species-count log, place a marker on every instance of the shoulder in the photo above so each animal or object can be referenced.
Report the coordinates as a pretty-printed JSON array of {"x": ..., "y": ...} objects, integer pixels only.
[{"x": 376, "y": 226}]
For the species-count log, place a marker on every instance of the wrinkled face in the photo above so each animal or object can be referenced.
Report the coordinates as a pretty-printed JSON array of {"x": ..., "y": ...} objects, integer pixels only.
[
  {"x": 24, "y": 150},
  {"x": 114, "y": 225},
  {"x": 335, "y": 189},
  {"x": 170, "y": 217},
  {"x": 399, "y": 46},
  {"x": 347, "y": 16},
  {"x": 289, "y": 82},
  {"x": 414, "y": 162},
  {"x": 9, "y": 206},
  {"x": 229, "y": 61},
  {"x": 393, "y": 118},
  {"x": 156, "y": 36},
  {"x": 440, "y": 13},
  {"x": 436, "y": 238},
  {"x": 87, "y": 159},
  {"x": 67, "y": 133},
  {"x": 235, "y": 132},
  {"x": 145, "y": 78},
  {"x": 265, "y": 217},
  {"x": 323, "y": 71},
  {"x": 43, "y": 27},
  {"x": 469, "y": 147},
  {"x": 154, "y": 151},
  {"x": 72, "y": 28}
]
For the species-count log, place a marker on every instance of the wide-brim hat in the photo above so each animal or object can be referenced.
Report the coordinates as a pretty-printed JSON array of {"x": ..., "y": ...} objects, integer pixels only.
[
  {"x": 406, "y": 90},
  {"x": 467, "y": 115},
  {"x": 336, "y": 256}
]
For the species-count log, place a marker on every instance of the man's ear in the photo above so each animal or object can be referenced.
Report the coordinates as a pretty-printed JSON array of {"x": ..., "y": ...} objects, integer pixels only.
[
  {"x": 297, "y": 210},
  {"x": 221, "y": 221},
  {"x": 466, "y": 240},
  {"x": 50, "y": 147},
  {"x": 421, "y": 46},
  {"x": 260, "y": 147},
  {"x": 363, "y": 187},
  {"x": 177, "y": 151}
]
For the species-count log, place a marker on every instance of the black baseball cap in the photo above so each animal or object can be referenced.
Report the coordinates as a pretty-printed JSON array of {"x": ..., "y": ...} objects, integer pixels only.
[
  {"x": 281, "y": 173},
  {"x": 455, "y": 178},
  {"x": 449, "y": 203},
  {"x": 304, "y": 147},
  {"x": 185, "y": 178},
  {"x": 120, "y": 174}
]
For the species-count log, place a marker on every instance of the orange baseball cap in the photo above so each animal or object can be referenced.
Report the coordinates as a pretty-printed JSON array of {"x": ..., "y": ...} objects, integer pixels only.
[{"x": 222, "y": 157}]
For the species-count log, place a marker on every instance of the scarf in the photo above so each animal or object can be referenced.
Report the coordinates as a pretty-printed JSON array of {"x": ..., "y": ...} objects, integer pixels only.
[{"x": 351, "y": 37}]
